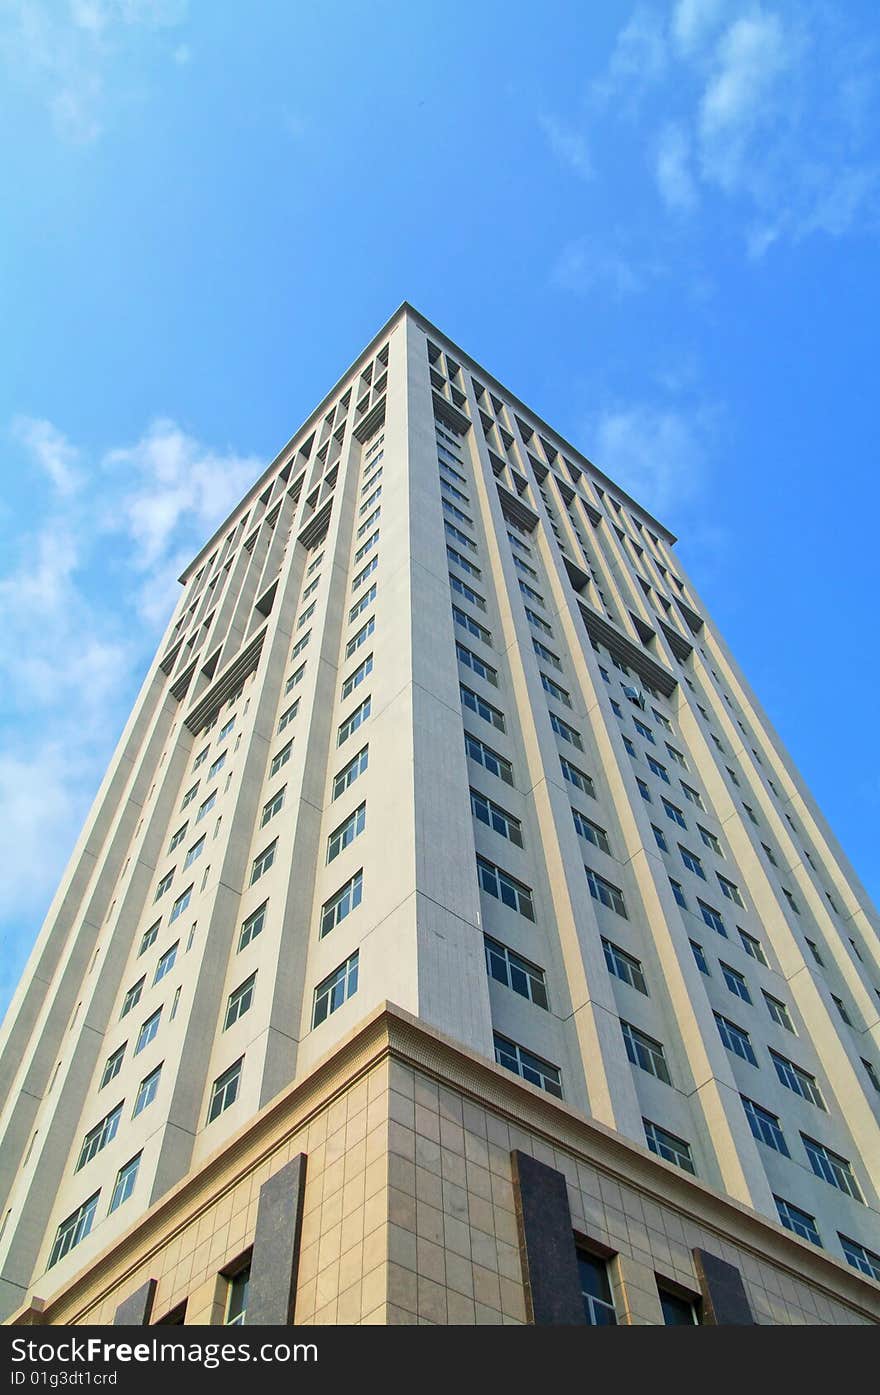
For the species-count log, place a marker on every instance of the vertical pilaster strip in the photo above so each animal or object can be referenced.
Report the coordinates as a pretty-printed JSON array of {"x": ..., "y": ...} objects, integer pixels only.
[
  {"x": 546, "y": 1244},
  {"x": 275, "y": 1258},
  {"x": 725, "y": 1303},
  {"x": 135, "y": 1310}
]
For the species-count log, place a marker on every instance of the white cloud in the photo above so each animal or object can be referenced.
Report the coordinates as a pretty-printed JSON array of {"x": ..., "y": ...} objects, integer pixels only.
[
  {"x": 673, "y": 172},
  {"x": 51, "y": 450},
  {"x": 659, "y": 454},
  {"x": 739, "y": 96},
  {"x": 693, "y": 21},
  {"x": 582, "y": 267},
  {"x": 640, "y": 55},
  {"x": 568, "y": 145}
]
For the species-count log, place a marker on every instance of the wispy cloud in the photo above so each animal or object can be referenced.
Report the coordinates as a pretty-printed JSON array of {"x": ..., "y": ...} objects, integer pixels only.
[
  {"x": 568, "y": 145},
  {"x": 83, "y": 599},
  {"x": 673, "y": 169},
  {"x": 583, "y": 267},
  {"x": 659, "y": 453}
]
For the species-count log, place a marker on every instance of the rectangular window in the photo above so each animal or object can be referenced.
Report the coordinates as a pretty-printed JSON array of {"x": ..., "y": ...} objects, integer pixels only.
[
  {"x": 295, "y": 652},
  {"x": 537, "y": 621},
  {"x": 166, "y": 962},
  {"x": 644, "y": 731},
  {"x": 190, "y": 795},
  {"x": 735, "y": 982},
  {"x": 529, "y": 1067},
  {"x": 148, "y": 1031},
  {"x": 496, "y": 818},
  {"x": 341, "y": 903},
  {"x": 132, "y": 997},
  {"x": 566, "y": 732},
  {"x": 98, "y": 1137},
  {"x": 368, "y": 524},
  {"x": 602, "y": 890},
  {"x": 860, "y": 1258},
  {"x": 361, "y": 637},
  {"x": 180, "y": 904},
  {"x": 353, "y": 721},
  {"x": 146, "y": 1091},
  {"x": 832, "y": 1168},
  {"x": 273, "y": 807},
  {"x": 149, "y": 937},
  {"x": 765, "y": 1126},
  {"x": 577, "y": 777},
  {"x": 505, "y": 888},
  {"x": 674, "y": 813},
  {"x": 113, "y": 1065},
  {"x": 489, "y": 759},
  {"x": 712, "y": 917},
  {"x": 462, "y": 562},
  {"x": 365, "y": 572},
  {"x": 253, "y": 926},
  {"x": 195, "y": 851},
  {"x": 288, "y": 715},
  {"x": 644, "y": 791},
  {"x": 676, "y": 755},
  {"x": 800, "y": 1081},
  {"x": 645, "y": 1052},
  {"x": 73, "y": 1230},
  {"x": 178, "y": 837},
  {"x": 472, "y": 626},
  {"x": 474, "y": 662},
  {"x": 206, "y": 806},
  {"x": 224, "y": 1091},
  {"x": 164, "y": 884},
  {"x": 225, "y": 730},
  {"x": 554, "y": 689},
  {"x": 692, "y": 795},
  {"x": 461, "y": 538},
  {"x": 546, "y": 654},
  {"x": 306, "y": 615},
  {"x": 455, "y": 512},
  {"x": 624, "y": 966},
  {"x": 735, "y": 1039},
  {"x": 335, "y": 989},
  {"x": 217, "y": 765},
  {"x": 657, "y": 768},
  {"x": 669, "y": 1146},
  {"x": 366, "y": 599},
  {"x": 692, "y": 862},
  {"x": 346, "y": 832},
  {"x": 201, "y": 758},
  {"x": 591, "y": 831},
  {"x": 355, "y": 679},
  {"x": 239, "y": 1001},
  {"x": 595, "y": 1290},
  {"x": 700, "y": 957},
  {"x": 660, "y": 838},
  {"x": 515, "y": 972},
  {"x": 779, "y": 1012},
  {"x": 467, "y": 592},
  {"x": 730, "y": 890},
  {"x": 753, "y": 947},
  {"x": 709, "y": 839},
  {"x": 349, "y": 773},
  {"x": 263, "y": 862},
  {"x": 793, "y": 1218},
  {"x": 815, "y": 953},
  {"x": 294, "y": 679}
]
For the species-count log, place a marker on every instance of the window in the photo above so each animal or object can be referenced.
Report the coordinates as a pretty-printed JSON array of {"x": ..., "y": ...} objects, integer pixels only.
[
  {"x": 535, "y": 620},
  {"x": 676, "y": 755},
  {"x": 791, "y": 901},
  {"x": 306, "y": 615},
  {"x": 645, "y": 1052},
  {"x": 546, "y": 654},
  {"x": 467, "y": 591},
  {"x": 595, "y": 1290},
  {"x": 355, "y": 679},
  {"x": 113, "y": 1065},
  {"x": 664, "y": 721},
  {"x": 148, "y": 1031},
  {"x": 225, "y": 730},
  {"x": 815, "y": 953},
  {"x": 295, "y": 652},
  {"x": 340, "y": 904},
  {"x": 530, "y": 592},
  {"x": 735, "y": 1039},
  {"x": 489, "y": 759},
  {"x": 482, "y": 708},
  {"x": 190, "y": 795},
  {"x": 604, "y": 891},
  {"x": 164, "y": 884},
  {"x": 712, "y": 917},
  {"x": 180, "y": 904},
  {"x": 361, "y": 637},
  {"x": 692, "y": 795},
  {"x": 346, "y": 832},
  {"x": 272, "y": 807},
  {"x": 832, "y": 1168},
  {"x": 678, "y": 893},
  {"x": 798, "y": 1080},
  {"x": 166, "y": 962},
  {"x": 364, "y": 527},
  {"x": 365, "y": 572},
  {"x": 366, "y": 599},
  {"x": 225, "y": 1090},
  {"x": 735, "y": 982},
  {"x": 238, "y": 1285},
  {"x": 624, "y": 966},
  {"x": 793, "y": 1218},
  {"x": 765, "y": 1126},
  {"x": 576, "y": 777},
  {"x": 730, "y": 890},
  {"x": 149, "y": 937},
  {"x": 692, "y": 862},
  {"x": 660, "y": 838},
  {"x": 240, "y": 1000},
  {"x": 334, "y": 990},
  {"x": 860, "y": 1258},
  {"x": 472, "y": 626},
  {"x": 496, "y": 818},
  {"x": 629, "y": 747},
  {"x": 778, "y": 1011},
  {"x": 178, "y": 837},
  {"x": 201, "y": 758},
  {"x": 146, "y": 1091},
  {"x": 591, "y": 831},
  {"x": 207, "y": 805},
  {"x": 97, "y": 1138},
  {"x": 353, "y": 721},
  {"x": 674, "y": 813},
  {"x": 532, "y": 1068},
  {"x": 669, "y": 1146},
  {"x": 710, "y": 840},
  {"x": 459, "y": 536},
  {"x": 505, "y": 888},
  {"x": 195, "y": 851},
  {"x": 474, "y": 662},
  {"x": 349, "y": 773},
  {"x": 700, "y": 957},
  {"x": 295, "y": 677},
  {"x": 644, "y": 731},
  {"x": 462, "y": 562},
  {"x": 554, "y": 689},
  {"x": 644, "y": 791},
  {"x": 74, "y": 1229},
  {"x": 253, "y": 926},
  {"x": 657, "y": 768},
  {"x": 263, "y": 862},
  {"x": 753, "y": 947},
  {"x": 515, "y": 972},
  {"x": 124, "y": 1184},
  {"x": 287, "y": 717},
  {"x": 132, "y": 996},
  {"x": 870, "y": 1071},
  {"x": 748, "y": 808},
  {"x": 217, "y": 766},
  {"x": 677, "y": 1311},
  {"x": 770, "y": 857},
  {"x": 841, "y": 1008},
  {"x": 455, "y": 511}
]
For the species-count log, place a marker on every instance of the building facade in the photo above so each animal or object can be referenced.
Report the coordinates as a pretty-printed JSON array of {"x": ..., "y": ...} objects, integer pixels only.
[{"x": 451, "y": 939}]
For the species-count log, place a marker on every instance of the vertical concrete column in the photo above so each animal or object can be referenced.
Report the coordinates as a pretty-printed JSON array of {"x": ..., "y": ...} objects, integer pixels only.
[
  {"x": 275, "y": 1258},
  {"x": 546, "y": 1244},
  {"x": 634, "y": 1290}
]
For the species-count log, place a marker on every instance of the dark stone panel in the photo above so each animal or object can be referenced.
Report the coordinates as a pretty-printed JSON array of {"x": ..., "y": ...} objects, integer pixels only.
[
  {"x": 135, "y": 1310},
  {"x": 275, "y": 1256},
  {"x": 725, "y": 1302},
  {"x": 546, "y": 1244}
]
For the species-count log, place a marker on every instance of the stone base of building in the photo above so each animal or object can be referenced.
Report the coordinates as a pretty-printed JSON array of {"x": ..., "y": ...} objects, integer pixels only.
[{"x": 405, "y": 1180}]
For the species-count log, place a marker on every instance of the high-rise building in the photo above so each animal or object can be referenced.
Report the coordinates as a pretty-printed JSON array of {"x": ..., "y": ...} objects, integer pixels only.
[{"x": 451, "y": 938}]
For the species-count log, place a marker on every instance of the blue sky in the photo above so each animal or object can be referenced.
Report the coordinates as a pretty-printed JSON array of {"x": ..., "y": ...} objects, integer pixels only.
[{"x": 657, "y": 224}]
